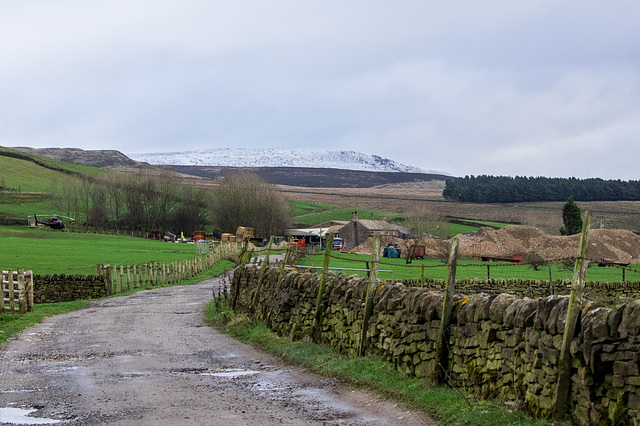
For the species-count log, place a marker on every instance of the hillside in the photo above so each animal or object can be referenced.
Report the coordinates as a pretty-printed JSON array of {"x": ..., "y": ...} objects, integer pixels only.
[
  {"x": 33, "y": 173},
  {"x": 26, "y": 180},
  {"x": 313, "y": 177},
  {"x": 278, "y": 158},
  {"x": 95, "y": 158},
  {"x": 291, "y": 167}
]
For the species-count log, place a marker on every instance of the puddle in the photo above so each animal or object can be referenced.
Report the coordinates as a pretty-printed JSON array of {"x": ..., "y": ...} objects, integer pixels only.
[
  {"x": 20, "y": 416},
  {"x": 230, "y": 373}
]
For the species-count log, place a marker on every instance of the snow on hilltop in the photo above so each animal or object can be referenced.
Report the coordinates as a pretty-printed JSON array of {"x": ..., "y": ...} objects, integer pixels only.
[{"x": 277, "y": 157}]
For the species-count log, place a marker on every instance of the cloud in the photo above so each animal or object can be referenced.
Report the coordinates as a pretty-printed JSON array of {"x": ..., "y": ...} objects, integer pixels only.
[{"x": 502, "y": 88}]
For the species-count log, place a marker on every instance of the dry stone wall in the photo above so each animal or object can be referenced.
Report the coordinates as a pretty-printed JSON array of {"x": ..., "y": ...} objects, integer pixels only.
[
  {"x": 66, "y": 288},
  {"x": 609, "y": 293},
  {"x": 501, "y": 345}
]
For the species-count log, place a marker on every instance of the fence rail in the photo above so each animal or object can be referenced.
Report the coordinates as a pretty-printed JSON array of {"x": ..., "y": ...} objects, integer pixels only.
[
  {"x": 17, "y": 290},
  {"x": 121, "y": 278}
]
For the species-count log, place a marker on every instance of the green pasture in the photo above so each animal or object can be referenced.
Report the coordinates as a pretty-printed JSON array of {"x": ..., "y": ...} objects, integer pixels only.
[
  {"x": 51, "y": 163},
  {"x": 307, "y": 208},
  {"x": 468, "y": 268},
  {"x": 493, "y": 224},
  {"x": 54, "y": 252},
  {"x": 308, "y": 214},
  {"x": 31, "y": 177},
  {"x": 21, "y": 205}
]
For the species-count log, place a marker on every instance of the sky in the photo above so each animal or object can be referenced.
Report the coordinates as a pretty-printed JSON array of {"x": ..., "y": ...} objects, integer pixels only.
[{"x": 503, "y": 88}]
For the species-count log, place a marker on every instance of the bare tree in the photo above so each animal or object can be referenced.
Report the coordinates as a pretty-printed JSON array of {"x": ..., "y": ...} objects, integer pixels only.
[
  {"x": 424, "y": 222},
  {"x": 244, "y": 199}
]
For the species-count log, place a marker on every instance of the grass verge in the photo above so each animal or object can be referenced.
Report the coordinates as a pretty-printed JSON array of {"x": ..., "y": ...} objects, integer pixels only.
[{"x": 444, "y": 405}]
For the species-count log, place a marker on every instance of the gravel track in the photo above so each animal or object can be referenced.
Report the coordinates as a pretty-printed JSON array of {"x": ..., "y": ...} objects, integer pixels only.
[{"x": 151, "y": 359}]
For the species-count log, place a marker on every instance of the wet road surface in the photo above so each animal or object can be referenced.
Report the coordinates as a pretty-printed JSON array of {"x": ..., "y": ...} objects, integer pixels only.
[{"x": 151, "y": 359}]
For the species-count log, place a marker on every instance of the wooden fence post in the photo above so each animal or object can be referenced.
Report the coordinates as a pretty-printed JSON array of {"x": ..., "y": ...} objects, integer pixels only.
[
  {"x": 164, "y": 274},
  {"x": 122, "y": 287},
  {"x": 442, "y": 343},
  {"x": 263, "y": 271},
  {"x": 30, "y": 291},
  {"x": 371, "y": 292},
  {"x": 22, "y": 292},
  {"x": 114, "y": 276},
  {"x": 317, "y": 318},
  {"x": 561, "y": 394},
  {"x": 106, "y": 276},
  {"x": 12, "y": 307},
  {"x": 129, "y": 287},
  {"x": 245, "y": 256},
  {"x": 1, "y": 292}
]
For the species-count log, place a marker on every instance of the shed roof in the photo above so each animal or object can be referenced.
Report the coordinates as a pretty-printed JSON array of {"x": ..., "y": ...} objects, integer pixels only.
[{"x": 382, "y": 225}]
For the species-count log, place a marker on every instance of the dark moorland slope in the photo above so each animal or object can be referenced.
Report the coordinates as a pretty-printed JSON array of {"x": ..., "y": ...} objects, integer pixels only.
[{"x": 313, "y": 177}]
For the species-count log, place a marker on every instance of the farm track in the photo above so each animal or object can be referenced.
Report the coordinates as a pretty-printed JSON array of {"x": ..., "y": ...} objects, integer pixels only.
[{"x": 150, "y": 359}]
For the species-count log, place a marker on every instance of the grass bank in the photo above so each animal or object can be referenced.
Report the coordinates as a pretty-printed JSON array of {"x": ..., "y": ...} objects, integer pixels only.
[{"x": 445, "y": 405}]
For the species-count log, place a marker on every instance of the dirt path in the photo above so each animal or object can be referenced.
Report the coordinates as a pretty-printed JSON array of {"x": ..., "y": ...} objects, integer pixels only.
[{"x": 150, "y": 359}]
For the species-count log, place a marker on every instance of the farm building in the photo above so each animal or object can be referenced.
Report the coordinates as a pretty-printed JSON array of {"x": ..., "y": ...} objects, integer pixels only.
[
  {"x": 358, "y": 231},
  {"x": 330, "y": 223}
]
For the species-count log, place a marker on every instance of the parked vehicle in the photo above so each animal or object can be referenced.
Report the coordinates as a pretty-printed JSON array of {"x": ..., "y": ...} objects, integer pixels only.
[{"x": 338, "y": 244}]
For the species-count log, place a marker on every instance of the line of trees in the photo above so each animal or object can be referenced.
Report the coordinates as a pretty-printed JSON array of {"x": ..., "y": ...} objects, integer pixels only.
[
  {"x": 506, "y": 189},
  {"x": 150, "y": 200},
  {"x": 141, "y": 201}
]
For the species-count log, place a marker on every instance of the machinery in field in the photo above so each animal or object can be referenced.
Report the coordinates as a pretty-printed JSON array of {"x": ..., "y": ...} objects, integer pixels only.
[
  {"x": 476, "y": 251},
  {"x": 54, "y": 222},
  {"x": 391, "y": 251},
  {"x": 199, "y": 235}
]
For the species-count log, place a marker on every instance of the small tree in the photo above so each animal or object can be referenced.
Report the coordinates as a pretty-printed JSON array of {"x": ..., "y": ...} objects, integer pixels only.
[
  {"x": 571, "y": 217},
  {"x": 534, "y": 260},
  {"x": 423, "y": 222}
]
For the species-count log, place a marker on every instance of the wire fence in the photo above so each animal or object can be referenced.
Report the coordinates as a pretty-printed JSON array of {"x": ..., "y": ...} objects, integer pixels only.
[{"x": 609, "y": 290}]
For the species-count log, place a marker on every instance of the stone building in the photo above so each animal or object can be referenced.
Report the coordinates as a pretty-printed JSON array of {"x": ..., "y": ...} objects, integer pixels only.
[{"x": 358, "y": 231}]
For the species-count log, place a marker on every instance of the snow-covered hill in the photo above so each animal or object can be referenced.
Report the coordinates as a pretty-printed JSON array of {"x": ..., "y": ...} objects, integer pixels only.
[{"x": 278, "y": 157}]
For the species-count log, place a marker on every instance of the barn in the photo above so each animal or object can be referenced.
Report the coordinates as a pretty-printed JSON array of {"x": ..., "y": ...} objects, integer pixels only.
[{"x": 358, "y": 231}]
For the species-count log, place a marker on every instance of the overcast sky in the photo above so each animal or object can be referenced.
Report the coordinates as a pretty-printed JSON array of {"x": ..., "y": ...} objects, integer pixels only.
[{"x": 531, "y": 88}]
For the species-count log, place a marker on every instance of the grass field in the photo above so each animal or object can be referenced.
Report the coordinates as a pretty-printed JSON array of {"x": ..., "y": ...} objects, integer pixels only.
[
  {"x": 308, "y": 214},
  {"x": 20, "y": 205},
  {"x": 31, "y": 177},
  {"x": 468, "y": 268},
  {"x": 53, "y": 252}
]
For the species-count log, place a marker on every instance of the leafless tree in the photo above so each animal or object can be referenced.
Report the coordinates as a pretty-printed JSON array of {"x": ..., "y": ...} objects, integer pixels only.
[
  {"x": 424, "y": 222},
  {"x": 244, "y": 199}
]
